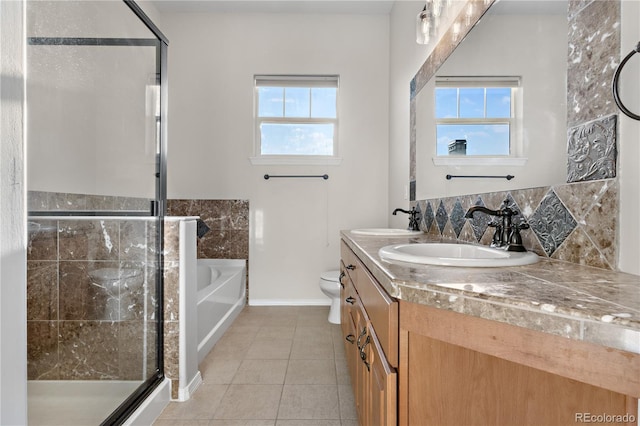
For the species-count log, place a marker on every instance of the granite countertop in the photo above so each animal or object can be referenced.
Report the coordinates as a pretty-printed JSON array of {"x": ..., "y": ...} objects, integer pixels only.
[{"x": 566, "y": 299}]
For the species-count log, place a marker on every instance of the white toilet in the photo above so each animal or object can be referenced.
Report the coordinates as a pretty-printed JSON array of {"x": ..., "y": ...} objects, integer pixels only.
[{"x": 330, "y": 286}]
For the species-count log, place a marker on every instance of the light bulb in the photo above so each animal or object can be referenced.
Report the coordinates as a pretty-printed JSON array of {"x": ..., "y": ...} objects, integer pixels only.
[{"x": 423, "y": 27}]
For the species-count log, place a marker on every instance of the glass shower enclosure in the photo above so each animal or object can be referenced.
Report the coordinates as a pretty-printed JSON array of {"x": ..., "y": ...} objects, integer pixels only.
[{"x": 96, "y": 94}]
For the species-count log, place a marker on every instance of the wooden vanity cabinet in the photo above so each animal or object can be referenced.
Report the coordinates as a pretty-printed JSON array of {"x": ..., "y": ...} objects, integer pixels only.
[
  {"x": 373, "y": 378},
  {"x": 415, "y": 365},
  {"x": 460, "y": 370}
]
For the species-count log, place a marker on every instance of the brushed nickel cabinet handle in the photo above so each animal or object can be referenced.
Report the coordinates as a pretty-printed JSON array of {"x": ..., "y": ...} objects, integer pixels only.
[
  {"x": 350, "y": 338},
  {"x": 350, "y": 300},
  {"x": 350, "y": 267},
  {"x": 342, "y": 275}
]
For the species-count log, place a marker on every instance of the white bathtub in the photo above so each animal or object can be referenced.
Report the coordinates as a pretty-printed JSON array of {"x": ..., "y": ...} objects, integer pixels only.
[{"x": 221, "y": 296}]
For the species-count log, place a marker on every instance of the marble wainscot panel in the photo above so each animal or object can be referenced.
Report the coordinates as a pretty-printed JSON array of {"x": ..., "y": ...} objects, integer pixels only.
[
  {"x": 228, "y": 223},
  {"x": 171, "y": 304},
  {"x": 88, "y": 281},
  {"x": 561, "y": 298},
  {"x": 575, "y": 222}
]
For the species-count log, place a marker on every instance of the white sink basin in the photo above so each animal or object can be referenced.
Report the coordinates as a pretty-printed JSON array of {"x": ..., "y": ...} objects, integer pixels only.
[
  {"x": 389, "y": 232},
  {"x": 456, "y": 255}
]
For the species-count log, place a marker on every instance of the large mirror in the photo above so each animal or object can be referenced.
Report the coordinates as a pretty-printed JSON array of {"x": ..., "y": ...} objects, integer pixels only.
[{"x": 497, "y": 106}]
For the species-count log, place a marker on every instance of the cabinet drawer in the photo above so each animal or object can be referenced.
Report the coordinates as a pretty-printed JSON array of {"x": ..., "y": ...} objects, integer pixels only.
[
  {"x": 349, "y": 259},
  {"x": 382, "y": 310},
  {"x": 347, "y": 298}
]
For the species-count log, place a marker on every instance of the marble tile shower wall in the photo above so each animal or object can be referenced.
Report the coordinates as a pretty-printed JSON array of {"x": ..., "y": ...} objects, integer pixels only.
[
  {"x": 578, "y": 221},
  {"x": 90, "y": 305},
  {"x": 88, "y": 298}
]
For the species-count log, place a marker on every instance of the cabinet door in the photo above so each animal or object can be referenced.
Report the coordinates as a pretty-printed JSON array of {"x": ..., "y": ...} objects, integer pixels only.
[
  {"x": 361, "y": 384},
  {"x": 351, "y": 352},
  {"x": 381, "y": 384}
]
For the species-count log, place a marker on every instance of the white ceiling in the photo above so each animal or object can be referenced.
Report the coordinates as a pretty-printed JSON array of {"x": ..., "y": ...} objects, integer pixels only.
[{"x": 279, "y": 6}]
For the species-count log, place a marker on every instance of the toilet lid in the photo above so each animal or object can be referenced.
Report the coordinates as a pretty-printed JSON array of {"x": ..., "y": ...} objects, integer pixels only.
[{"x": 330, "y": 276}]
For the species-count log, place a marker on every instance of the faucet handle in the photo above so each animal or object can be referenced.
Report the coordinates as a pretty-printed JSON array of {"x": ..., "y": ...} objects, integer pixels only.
[
  {"x": 414, "y": 219},
  {"x": 515, "y": 239},
  {"x": 496, "y": 241}
]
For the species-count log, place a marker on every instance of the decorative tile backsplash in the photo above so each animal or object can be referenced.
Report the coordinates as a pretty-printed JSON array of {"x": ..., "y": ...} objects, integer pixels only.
[
  {"x": 592, "y": 152},
  {"x": 575, "y": 222},
  {"x": 552, "y": 223}
]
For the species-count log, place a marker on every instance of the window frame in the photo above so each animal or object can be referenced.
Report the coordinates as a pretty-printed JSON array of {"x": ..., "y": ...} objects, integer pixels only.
[
  {"x": 516, "y": 138},
  {"x": 300, "y": 81}
]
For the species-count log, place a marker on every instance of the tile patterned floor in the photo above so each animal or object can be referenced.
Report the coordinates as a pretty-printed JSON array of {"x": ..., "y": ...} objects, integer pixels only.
[{"x": 275, "y": 366}]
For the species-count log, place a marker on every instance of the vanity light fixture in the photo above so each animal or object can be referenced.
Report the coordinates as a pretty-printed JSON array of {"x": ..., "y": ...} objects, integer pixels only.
[{"x": 423, "y": 26}]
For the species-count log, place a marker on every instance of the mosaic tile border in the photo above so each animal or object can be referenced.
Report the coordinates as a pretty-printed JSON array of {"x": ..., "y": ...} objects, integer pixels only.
[{"x": 571, "y": 222}]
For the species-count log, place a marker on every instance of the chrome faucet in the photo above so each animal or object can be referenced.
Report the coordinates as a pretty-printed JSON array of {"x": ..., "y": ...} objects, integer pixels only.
[
  {"x": 507, "y": 235},
  {"x": 413, "y": 218}
]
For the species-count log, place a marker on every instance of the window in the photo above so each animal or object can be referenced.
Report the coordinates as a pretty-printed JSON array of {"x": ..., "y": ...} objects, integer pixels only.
[
  {"x": 296, "y": 119},
  {"x": 478, "y": 116}
]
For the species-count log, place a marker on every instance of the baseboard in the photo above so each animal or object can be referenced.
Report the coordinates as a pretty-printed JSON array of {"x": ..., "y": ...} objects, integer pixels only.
[
  {"x": 289, "y": 302},
  {"x": 185, "y": 393},
  {"x": 152, "y": 407}
]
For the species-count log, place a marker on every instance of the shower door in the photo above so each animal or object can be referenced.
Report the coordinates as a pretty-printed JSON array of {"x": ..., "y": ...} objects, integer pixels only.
[{"x": 96, "y": 196}]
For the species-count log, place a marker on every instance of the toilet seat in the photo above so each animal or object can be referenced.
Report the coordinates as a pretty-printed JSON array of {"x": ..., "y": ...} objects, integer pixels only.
[{"x": 331, "y": 276}]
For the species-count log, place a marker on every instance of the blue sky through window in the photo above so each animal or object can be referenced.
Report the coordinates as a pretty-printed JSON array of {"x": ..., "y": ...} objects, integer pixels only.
[
  {"x": 296, "y": 139},
  {"x": 297, "y": 120},
  {"x": 482, "y": 139},
  {"x": 472, "y": 105}
]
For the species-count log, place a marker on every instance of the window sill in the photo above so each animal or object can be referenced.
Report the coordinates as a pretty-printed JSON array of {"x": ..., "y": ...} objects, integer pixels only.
[
  {"x": 480, "y": 161},
  {"x": 290, "y": 160}
]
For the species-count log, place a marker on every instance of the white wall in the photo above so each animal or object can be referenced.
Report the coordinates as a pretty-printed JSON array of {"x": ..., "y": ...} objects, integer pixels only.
[
  {"x": 406, "y": 58},
  {"x": 629, "y": 146},
  {"x": 13, "y": 246},
  {"x": 295, "y": 224}
]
